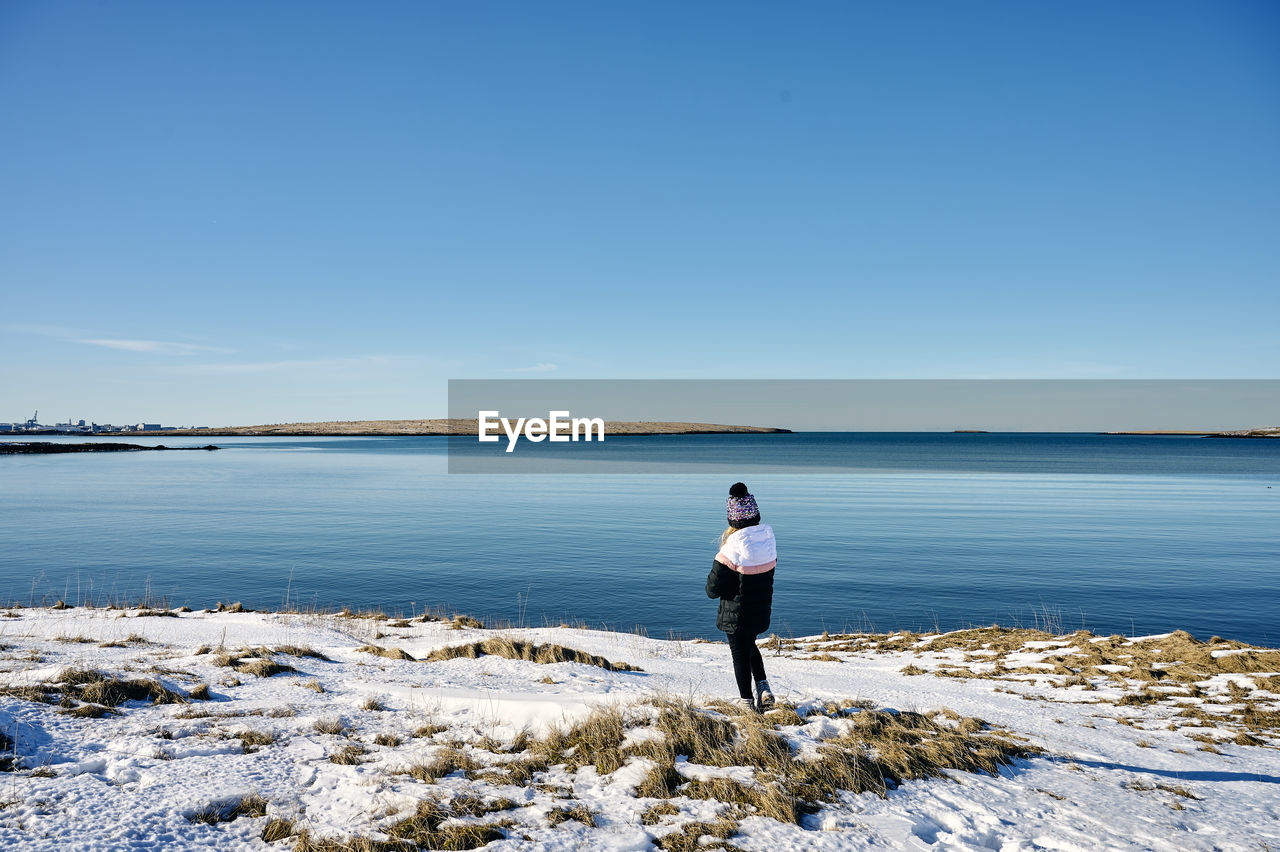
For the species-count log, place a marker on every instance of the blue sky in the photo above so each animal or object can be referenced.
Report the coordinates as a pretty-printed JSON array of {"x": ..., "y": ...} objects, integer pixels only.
[{"x": 242, "y": 212}]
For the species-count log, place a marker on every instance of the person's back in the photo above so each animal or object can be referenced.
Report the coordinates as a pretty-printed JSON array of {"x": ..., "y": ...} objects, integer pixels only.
[{"x": 742, "y": 578}]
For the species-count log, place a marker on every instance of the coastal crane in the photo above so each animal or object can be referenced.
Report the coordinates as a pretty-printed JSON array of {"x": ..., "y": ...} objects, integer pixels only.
[{"x": 35, "y": 420}]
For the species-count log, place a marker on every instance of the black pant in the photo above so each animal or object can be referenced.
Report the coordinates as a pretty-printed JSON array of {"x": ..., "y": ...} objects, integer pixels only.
[{"x": 746, "y": 661}]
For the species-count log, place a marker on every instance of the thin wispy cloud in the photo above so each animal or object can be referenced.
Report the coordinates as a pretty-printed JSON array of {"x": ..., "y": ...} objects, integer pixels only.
[
  {"x": 536, "y": 368},
  {"x": 157, "y": 347}
]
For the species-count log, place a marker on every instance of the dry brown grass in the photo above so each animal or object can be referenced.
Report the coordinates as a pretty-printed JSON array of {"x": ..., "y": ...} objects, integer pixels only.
[
  {"x": 993, "y": 638},
  {"x": 514, "y": 649},
  {"x": 688, "y": 838},
  {"x": 37, "y": 692},
  {"x": 74, "y": 640},
  {"x": 330, "y": 726},
  {"x": 885, "y": 749},
  {"x": 596, "y": 740},
  {"x": 252, "y": 740},
  {"x": 254, "y": 661},
  {"x": 389, "y": 653},
  {"x": 427, "y": 828},
  {"x": 467, "y": 804},
  {"x": 1176, "y": 659},
  {"x": 578, "y": 812},
  {"x": 882, "y": 750},
  {"x": 348, "y": 755},
  {"x": 446, "y": 761},
  {"x": 772, "y": 800},
  {"x": 654, "y": 814},
  {"x": 263, "y": 667},
  {"x": 1153, "y": 671},
  {"x": 278, "y": 829},
  {"x": 302, "y": 651},
  {"x": 251, "y": 806},
  {"x": 661, "y": 782},
  {"x": 95, "y": 687},
  {"x": 1258, "y": 719}
]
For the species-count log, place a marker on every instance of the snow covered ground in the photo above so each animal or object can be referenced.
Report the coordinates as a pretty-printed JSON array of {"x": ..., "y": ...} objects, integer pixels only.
[{"x": 1185, "y": 762}]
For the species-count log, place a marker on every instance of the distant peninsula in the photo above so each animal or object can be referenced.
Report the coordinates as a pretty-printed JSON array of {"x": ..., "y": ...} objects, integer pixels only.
[
  {"x": 454, "y": 426},
  {"x": 1265, "y": 432}
]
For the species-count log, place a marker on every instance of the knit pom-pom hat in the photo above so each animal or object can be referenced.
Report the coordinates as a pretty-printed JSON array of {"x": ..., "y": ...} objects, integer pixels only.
[{"x": 743, "y": 511}]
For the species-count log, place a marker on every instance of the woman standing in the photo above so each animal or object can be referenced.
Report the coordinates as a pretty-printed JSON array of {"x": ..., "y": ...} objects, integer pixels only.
[{"x": 742, "y": 578}]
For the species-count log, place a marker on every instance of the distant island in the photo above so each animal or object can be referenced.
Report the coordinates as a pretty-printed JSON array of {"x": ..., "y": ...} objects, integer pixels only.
[{"x": 454, "y": 426}]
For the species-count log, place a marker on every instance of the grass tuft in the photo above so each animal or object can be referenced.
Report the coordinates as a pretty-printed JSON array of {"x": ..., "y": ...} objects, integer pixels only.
[
  {"x": 577, "y": 812},
  {"x": 514, "y": 649},
  {"x": 302, "y": 651},
  {"x": 251, "y": 806},
  {"x": 348, "y": 756},
  {"x": 688, "y": 838},
  {"x": 278, "y": 829},
  {"x": 446, "y": 762},
  {"x": 263, "y": 667},
  {"x": 253, "y": 740},
  {"x": 654, "y": 813},
  {"x": 95, "y": 687},
  {"x": 389, "y": 653},
  {"x": 254, "y": 661},
  {"x": 329, "y": 726}
]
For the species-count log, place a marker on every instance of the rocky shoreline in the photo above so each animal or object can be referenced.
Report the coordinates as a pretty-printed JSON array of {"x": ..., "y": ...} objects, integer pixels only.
[{"x": 49, "y": 447}]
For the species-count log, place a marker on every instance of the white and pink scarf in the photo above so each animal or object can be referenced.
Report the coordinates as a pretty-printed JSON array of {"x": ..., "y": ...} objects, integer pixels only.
[{"x": 750, "y": 550}]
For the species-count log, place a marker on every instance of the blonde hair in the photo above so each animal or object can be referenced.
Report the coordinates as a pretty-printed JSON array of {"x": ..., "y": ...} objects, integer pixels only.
[{"x": 724, "y": 536}]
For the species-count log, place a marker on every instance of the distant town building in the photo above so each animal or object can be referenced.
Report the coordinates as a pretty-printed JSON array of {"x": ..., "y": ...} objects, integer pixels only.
[{"x": 33, "y": 425}]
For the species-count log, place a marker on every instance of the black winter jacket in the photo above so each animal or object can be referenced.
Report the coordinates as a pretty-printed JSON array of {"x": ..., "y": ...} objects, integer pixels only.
[{"x": 746, "y": 600}]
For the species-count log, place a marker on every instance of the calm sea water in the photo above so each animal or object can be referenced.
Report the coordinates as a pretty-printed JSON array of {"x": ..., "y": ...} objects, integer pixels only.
[{"x": 1116, "y": 534}]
